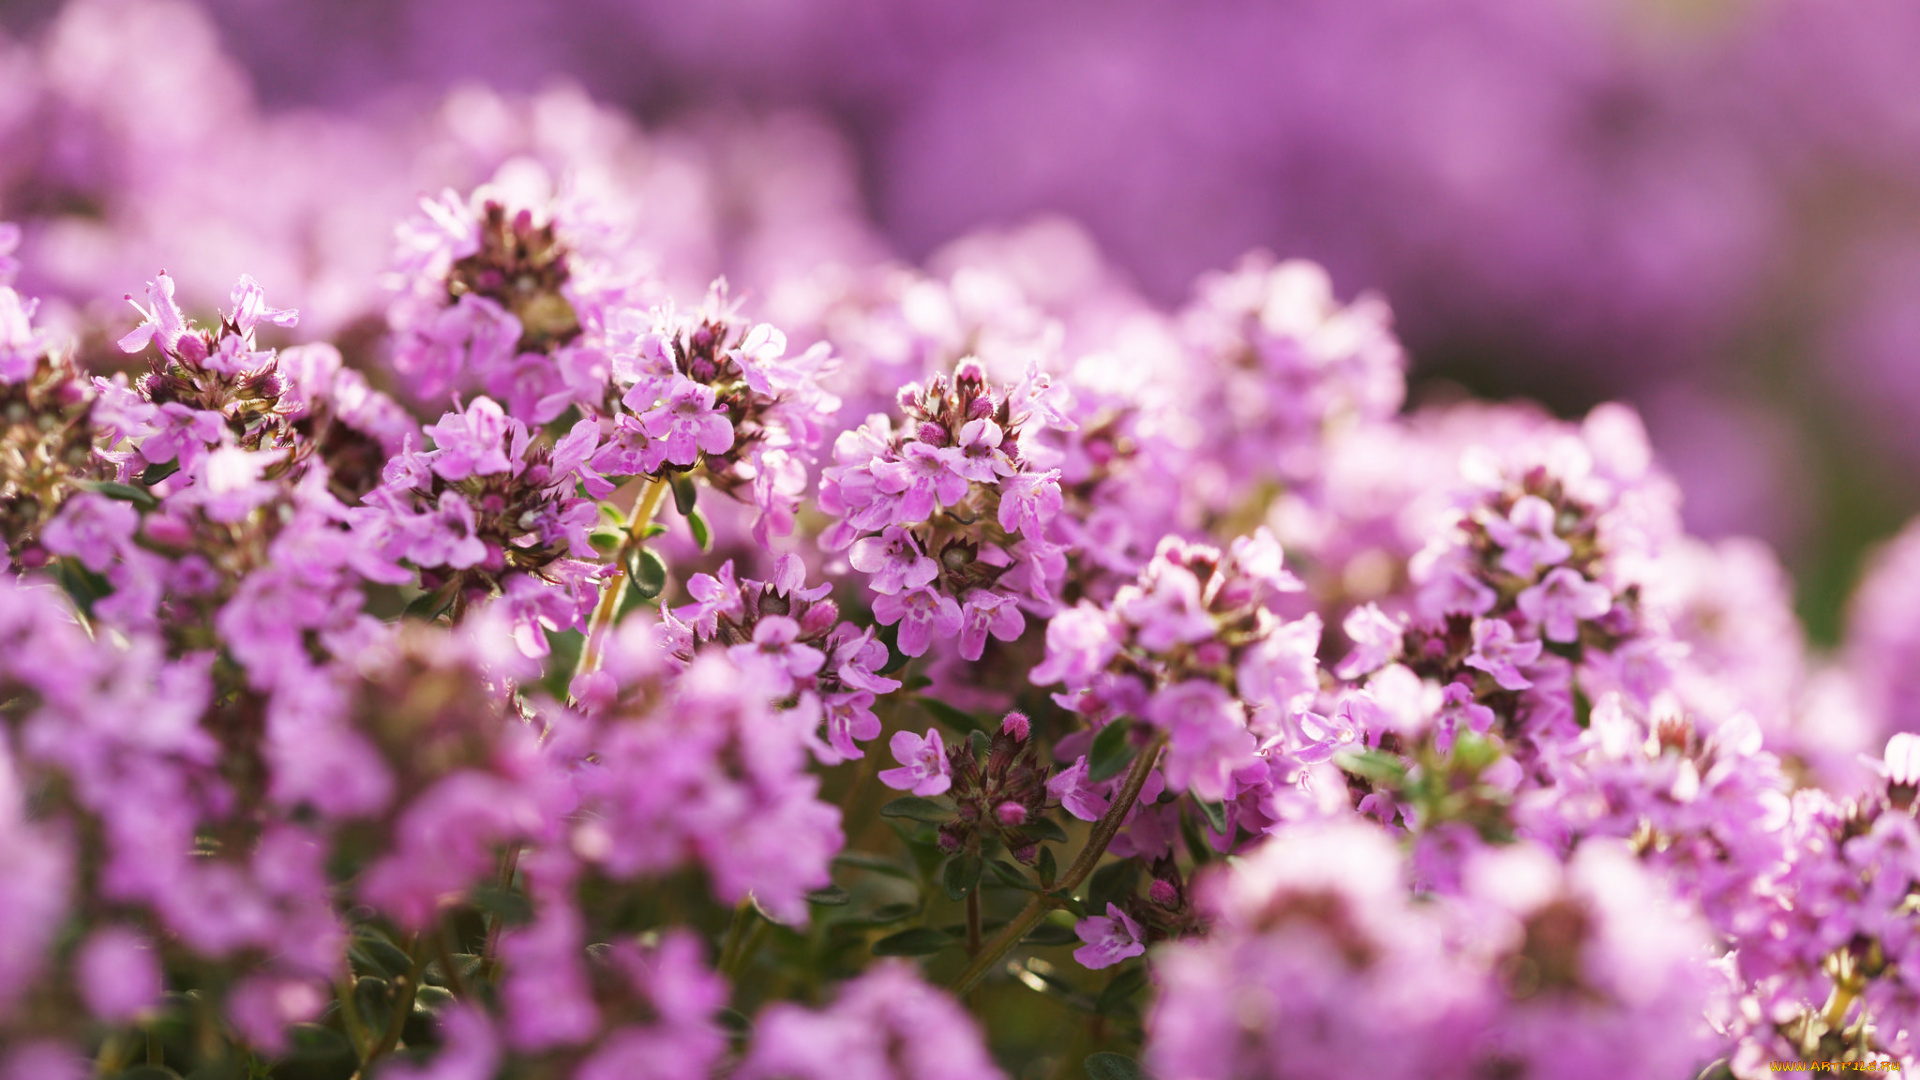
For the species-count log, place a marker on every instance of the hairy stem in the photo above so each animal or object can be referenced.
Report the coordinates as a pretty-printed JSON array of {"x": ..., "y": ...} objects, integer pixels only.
[
  {"x": 604, "y": 613},
  {"x": 631, "y": 540},
  {"x": 1104, "y": 831}
]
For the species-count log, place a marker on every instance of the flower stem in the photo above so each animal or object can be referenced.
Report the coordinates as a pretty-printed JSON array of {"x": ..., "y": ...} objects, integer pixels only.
[
  {"x": 631, "y": 540},
  {"x": 1104, "y": 831}
]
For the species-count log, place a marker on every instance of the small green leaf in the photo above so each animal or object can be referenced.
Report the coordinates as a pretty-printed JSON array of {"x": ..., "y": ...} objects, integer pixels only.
[
  {"x": 914, "y": 808},
  {"x": 1044, "y": 828},
  {"x": 686, "y": 494},
  {"x": 159, "y": 471},
  {"x": 1110, "y": 752},
  {"x": 702, "y": 532},
  {"x": 919, "y": 941},
  {"x": 1113, "y": 883},
  {"x": 507, "y": 905},
  {"x": 1047, "y": 868},
  {"x": 1375, "y": 765},
  {"x": 863, "y": 860},
  {"x": 138, "y": 496},
  {"x": 957, "y": 719},
  {"x": 1121, "y": 988},
  {"x": 653, "y": 529},
  {"x": 606, "y": 543},
  {"x": 979, "y": 743},
  {"x": 1108, "y": 1065},
  {"x": 1048, "y": 933},
  {"x": 882, "y": 915},
  {"x": 647, "y": 572},
  {"x": 961, "y": 875},
  {"x": 1009, "y": 875},
  {"x": 831, "y": 896},
  {"x": 373, "y": 954},
  {"x": 1216, "y": 815}
]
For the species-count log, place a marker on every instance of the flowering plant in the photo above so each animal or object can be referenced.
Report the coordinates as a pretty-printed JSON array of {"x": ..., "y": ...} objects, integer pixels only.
[{"x": 569, "y": 681}]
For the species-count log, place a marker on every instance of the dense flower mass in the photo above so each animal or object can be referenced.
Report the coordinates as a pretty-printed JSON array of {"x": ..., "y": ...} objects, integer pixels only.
[{"x": 1134, "y": 691}]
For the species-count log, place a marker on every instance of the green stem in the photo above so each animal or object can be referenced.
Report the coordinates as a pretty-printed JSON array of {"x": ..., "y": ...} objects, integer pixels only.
[
  {"x": 350, "y": 1015},
  {"x": 1104, "y": 831},
  {"x": 735, "y": 943},
  {"x": 407, "y": 988},
  {"x": 631, "y": 539}
]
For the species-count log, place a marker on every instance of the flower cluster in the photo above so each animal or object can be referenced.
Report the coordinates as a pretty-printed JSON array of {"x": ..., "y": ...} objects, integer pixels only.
[{"x": 946, "y": 515}]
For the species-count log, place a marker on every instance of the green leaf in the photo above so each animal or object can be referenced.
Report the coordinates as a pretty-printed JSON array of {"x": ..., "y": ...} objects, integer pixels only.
[
  {"x": 606, "y": 543},
  {"x": 1374, "y": 765},
  {"x": 919, "y": 941},
  {"x": 159, "y": 471},
  {"x": 1110, "y": 752},
  {"x": 979, "y": 743},
  {"x": 1048, "y": 933},
  {"x": 882, "y": 915},
  {"x": 1010, "y": 875},
  {"x": 1113, "y": 883},
  {"x": 313, "y": 1043},
  {"x": 1047, "y": 868},
  {"x": 373, "y": 954},
  {"x": 686, "y": 494},
  {"x": 957, "y": 719},
  {"x": 374, "y": 998},
  {"x": 1108, "y": 1065},
  {"x": 702, "y": 532},
  {"x": 1121, "y": 989},
  {"x": 647, "y": 572},
  {"x": 961, "y": 875},
  {"x": 508, "y": 905},
  {"x": 1045, "y": 828},
  {"x": 831, "y": 896},
  {"x": 1216, "y": 815},
  {"x": 138, "y": 496},
  {"x": 863, "y": 860},
  {"x": 914, "y": 808}
]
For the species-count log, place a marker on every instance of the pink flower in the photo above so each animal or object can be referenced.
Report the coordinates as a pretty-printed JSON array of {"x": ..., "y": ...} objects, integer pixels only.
[
  {"x": 924, "y": 769},
  {"x": 894, "y": 559},
  {"x": 1375, "y": 637},
  {"x": 119, "y": 975},
  {"x": 93, "y": 529},
  {"x": 1527, "y": 536},
  {"x": 470, "y": 442},
  {"x": 1071, "y": 789},
  {"x": 776, "y": 652},
  {"x": 921, "y": 613},
  {"x": 1496, "y": 652},
  {"x": 1562, "y": 600},
  {"x": 160, "y": 322},
  {"x": 686, "y": 423},
  {"x": 447, "y": 537},
  {"x": 984, "y": 613},
  {"x": 926, "y": 477},
  {"x": 1109, "y": 939}
]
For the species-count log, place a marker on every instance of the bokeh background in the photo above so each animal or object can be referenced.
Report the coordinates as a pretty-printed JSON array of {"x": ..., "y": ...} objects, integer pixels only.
[{"x": 1708, "y": 208}]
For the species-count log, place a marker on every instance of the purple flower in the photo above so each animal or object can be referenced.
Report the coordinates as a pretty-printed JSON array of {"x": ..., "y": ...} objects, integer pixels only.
[
  {"x": 1081, "y": 642},
  {"x": 250, "y": 307},
  {"x": 181, "y": 432},
  {"x": 921, "y": 613},
  {"x": 1561, "y": 600},
  {"x": 161, "y": 322},
  {"x": 981, "y": 459},
  {"x": 1498, "y": 653},
  {"x": 988, "y": 612},
  {"x": 777, "y": 653},
  {"x": 686, "y": 423},
  {"x": 894, "y": 559},
  {"x": 93, "y": 529},
  {"x": 447, "y": 536},
  {"x": 1109, "y": 938},
  {"x": 1375, "y": 636},
  {"x": 1527, "y": 536},
  {"x": 1028, "y": 501},
  {"x": 227, "y": 483},
  {"x": 470, "y": 443},
  {"x": 1168, "y": 611},
  {"x": 1207, "y": 737},
  {"x": 119, "y": 975},
  {"x": 925, "y": 477},
  {"x": 1071, "y": 789},
  {"x": 924, "y": 769}
]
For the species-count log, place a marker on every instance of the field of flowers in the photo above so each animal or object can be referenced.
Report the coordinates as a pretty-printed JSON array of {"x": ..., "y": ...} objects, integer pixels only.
[{"x": 632, "y": 623}]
